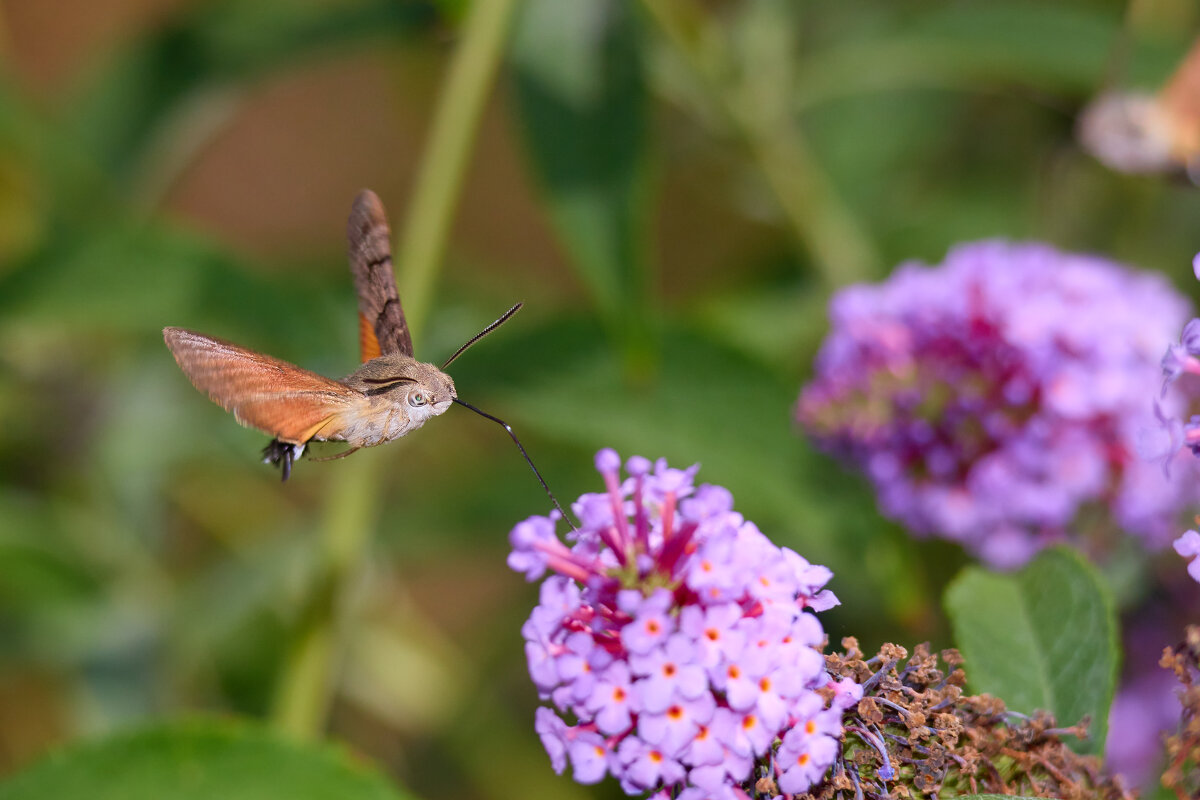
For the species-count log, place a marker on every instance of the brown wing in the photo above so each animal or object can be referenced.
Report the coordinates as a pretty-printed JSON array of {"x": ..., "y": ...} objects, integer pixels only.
[
  {"x": 278, "y": 398},
  {"x": 382, "y": 327},
  {"x": 1181, "y": 98}
]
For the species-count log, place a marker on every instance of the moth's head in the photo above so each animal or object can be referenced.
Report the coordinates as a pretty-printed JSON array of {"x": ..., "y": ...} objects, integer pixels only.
[
  {"x": 422, "y": 389},
  {"x": 431, "y": 393}
]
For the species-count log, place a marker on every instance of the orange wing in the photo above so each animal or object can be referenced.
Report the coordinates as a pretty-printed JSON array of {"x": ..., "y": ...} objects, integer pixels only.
[
  {"x": 1181, "y": 98},
  {"x": 276, "y": 397},
  {"x": 368, "y": 344}
]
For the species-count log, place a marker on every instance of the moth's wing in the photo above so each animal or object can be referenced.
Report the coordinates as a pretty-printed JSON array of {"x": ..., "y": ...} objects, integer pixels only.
[
  {"x": 368, "y": 342},
  {"x": 276, "y": 397},
  {"x": 1181, "y": 98},
  {"x": 382, "y": 328}
]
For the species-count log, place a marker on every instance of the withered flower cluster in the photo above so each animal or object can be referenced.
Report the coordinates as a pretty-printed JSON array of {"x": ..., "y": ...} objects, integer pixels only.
[
  {"x": 916, "y": 733},
  {"x": 1182, "y": 775}
]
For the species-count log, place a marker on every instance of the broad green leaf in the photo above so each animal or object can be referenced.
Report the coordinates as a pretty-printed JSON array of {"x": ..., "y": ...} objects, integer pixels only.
[
  {"x": 198, "y": 760},
  {"x": 994, "y": 797},
  {"x": 46, "y": 176},
  {"x": 1055, "y": 44},
  {"x": 138, "y": 279},
  {"x": 582, "y": 103},
  {"x": 1041, "y": 638},
  {"x": 975, "y": 47},
  {"x": 779, "y": 325},
  {"x": 33, "y": 577}
]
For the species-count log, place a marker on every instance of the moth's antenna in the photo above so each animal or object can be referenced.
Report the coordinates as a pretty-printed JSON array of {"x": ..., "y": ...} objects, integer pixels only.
[
  {"x": 508, "y": 428},
  {"x": 505, "y": 318}
]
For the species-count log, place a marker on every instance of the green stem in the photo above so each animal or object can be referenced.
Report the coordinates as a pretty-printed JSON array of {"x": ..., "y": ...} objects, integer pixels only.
[
  {"x": 305, "y": 687},
  {"x": 355, "y": 495},
  {"x": 439, "y": 180},
  {"x": 840, "y": 249}
]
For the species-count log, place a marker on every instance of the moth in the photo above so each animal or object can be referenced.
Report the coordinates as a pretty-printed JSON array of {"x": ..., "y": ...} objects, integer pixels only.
[
  {"x": 390, "y": 395},
  {"x": 1144, "y": 132}
]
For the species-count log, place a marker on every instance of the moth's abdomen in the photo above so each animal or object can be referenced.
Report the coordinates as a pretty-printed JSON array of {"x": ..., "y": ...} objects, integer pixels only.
[
  {"x": 382, "y": 420},
  {"x": 375, "y": 423}
]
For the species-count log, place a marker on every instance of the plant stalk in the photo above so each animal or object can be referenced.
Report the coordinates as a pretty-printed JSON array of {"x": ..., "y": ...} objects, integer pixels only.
[
  {"x": 840, "y": 249},
  {"x": 305, "y": 689},
  {"x": 440, "y": 176},
  {"x": 309, "y": 674}
]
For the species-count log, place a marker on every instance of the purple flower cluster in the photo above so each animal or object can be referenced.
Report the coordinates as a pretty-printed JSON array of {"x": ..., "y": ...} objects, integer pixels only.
[
  {"x": 992, "y": 398},
  {"x": 1178, "y": 363},
  {"x": 679, "y": 641}
]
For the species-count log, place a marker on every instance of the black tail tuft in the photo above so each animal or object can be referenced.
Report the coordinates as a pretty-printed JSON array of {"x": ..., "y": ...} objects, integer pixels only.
[{"x": 282, "y": 455}]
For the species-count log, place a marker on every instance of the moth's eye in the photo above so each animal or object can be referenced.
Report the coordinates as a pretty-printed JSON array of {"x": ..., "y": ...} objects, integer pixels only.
[{"x": 417, "y": 399}]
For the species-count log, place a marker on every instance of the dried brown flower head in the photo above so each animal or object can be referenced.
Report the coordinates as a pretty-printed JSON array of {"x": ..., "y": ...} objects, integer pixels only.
[
  {"x": 1182, "y": 775},
  {"x": 916, "y": 733}
]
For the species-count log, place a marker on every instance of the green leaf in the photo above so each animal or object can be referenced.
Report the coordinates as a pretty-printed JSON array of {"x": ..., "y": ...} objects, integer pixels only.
[
  {"x": 198, "y": 760},
  {"x": 138, "y": 279},
  {"x": 1063, "y": 44},
  {"x": 705, "y": 403},
  {"x": 971, "y": 47},
  {"x": 1042, "y": 638},
  {"x": 581, "y": 97},
  {"x": 993, "y": 797}
]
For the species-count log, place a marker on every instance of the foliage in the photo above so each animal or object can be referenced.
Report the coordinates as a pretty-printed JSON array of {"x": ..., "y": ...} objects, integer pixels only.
[
  {"x": 200, "y": 759},
  {"x": 673, "y": 187},
  {"x": 1042, "y": 638}
]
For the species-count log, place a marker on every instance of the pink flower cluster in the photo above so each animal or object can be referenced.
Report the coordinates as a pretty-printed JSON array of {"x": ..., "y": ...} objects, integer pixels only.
[{"x": 676, "y": 642}]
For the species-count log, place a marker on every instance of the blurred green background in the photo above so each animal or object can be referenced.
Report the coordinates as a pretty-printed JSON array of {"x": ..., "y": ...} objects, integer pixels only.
[{"x": 673, "y": 188}]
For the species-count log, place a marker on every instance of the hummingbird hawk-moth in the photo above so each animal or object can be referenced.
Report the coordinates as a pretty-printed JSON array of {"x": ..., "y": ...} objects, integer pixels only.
[
  {"x": 1144, "y": 132},
  {"x": 388, "y": 396}
]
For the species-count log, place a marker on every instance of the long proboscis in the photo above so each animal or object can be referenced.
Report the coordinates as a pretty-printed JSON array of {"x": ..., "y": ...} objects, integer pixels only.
[
  {"x": 503, "y": 319},
  {"x": 517, "y": 441}
]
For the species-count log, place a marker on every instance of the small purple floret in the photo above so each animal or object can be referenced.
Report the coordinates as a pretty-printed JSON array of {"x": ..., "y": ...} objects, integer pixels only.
[
  {"x": 637, "y": 466},
  {"x": 1188, "y": 546},
  {"x": 607, "y": 461}
]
